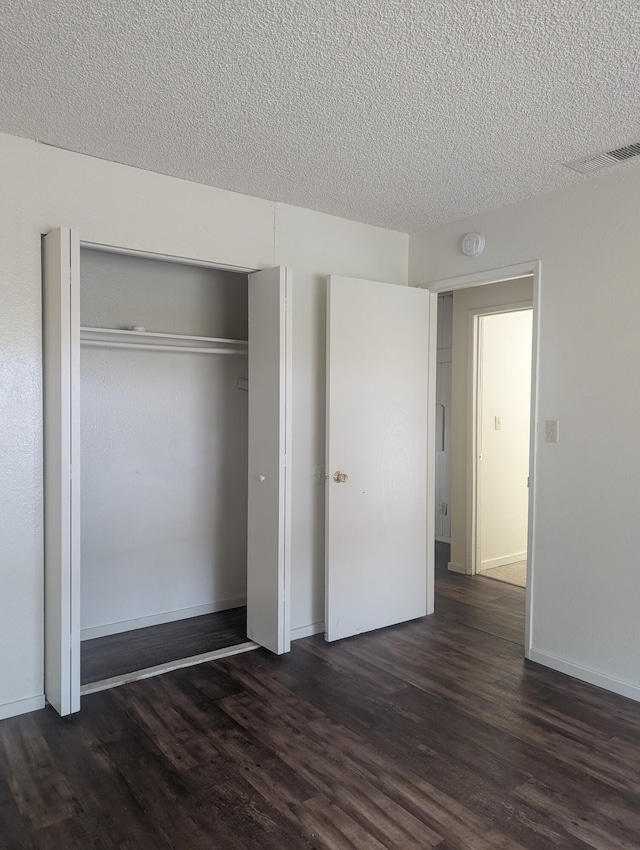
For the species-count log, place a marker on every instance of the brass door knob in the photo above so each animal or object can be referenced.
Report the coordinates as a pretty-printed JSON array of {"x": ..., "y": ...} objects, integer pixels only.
[{"x": 340, "y": 477}]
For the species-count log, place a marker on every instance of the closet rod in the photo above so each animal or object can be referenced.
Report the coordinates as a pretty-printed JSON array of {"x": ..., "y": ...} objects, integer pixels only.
[
  {"x": 159, "y": 335},
  {"x": 141, "y": 346}
]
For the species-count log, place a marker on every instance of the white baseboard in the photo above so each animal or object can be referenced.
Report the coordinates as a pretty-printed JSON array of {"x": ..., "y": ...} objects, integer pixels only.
[
  {"x": 307, "y": 631},
  {"x": 159, "y": 619},
  {"x": 617, "y": 686},
  {"x": 21, "y": 706},
  {"x": 441, "y": 538},
  {"x": 159, "y": 669},
  {"x": 457, "y": 568},
  {"x": 503, "y": 561}
]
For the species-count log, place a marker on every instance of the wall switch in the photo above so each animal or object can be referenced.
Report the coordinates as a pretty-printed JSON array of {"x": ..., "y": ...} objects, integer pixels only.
[
  {"x": 551, "y": 431},
  {"x": 498, "y": 421},
  {"x": 444, "y": 507}
]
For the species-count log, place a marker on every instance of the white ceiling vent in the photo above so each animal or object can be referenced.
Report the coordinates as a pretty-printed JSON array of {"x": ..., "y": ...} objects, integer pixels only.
[{"x": 604, "y": 160}]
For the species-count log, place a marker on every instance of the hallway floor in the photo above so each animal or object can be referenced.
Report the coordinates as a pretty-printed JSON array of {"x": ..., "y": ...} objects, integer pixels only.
[{"x": 509, "y": 573}]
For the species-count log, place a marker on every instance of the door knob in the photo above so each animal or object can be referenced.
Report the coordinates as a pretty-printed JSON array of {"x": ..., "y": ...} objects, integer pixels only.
[{"x": 340, "y": 477}]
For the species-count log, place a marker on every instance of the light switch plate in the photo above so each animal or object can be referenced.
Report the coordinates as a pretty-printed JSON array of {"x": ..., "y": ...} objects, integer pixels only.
[{"x": 551, "y": 428}]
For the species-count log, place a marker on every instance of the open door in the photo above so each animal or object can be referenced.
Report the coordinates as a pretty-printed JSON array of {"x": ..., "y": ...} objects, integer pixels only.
[
  {"x": 269, "y": 490},
  {"x": 376, "y": 502},
  {"x": 61, "y": 355}
]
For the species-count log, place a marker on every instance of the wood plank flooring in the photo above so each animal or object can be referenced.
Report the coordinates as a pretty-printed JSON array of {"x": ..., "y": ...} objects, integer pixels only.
[
  {"x": 102, "y": 658},
  {"x": 432, "y": 734}
]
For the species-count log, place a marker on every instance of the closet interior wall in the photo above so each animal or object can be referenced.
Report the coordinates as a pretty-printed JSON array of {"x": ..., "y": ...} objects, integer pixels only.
[{"x": 163, "y": 446}]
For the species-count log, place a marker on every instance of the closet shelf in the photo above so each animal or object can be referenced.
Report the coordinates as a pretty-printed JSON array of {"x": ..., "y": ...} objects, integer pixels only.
[{"x": 117, "y": 338}]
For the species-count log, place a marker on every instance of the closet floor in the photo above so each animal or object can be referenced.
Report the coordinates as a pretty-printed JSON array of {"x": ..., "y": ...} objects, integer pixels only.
[{"x": 115, "y": 655}]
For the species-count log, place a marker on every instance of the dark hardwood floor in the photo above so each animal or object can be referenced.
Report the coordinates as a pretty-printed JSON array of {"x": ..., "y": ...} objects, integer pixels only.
[
  {"x": 435, "y": 733},
  {"x": 102, "y": 658}
]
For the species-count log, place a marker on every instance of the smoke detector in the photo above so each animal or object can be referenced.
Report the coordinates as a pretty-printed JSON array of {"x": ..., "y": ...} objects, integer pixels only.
[
  {"x": 473, "y": 244},
  {"x": 589, "y": 164}
]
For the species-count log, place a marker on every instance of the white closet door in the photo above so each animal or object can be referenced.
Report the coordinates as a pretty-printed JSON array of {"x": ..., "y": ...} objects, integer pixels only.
[
  {"x": 269, "y": 491},
  {"x": 377, "y": 403},
  {"x": 61, "y": 355}
]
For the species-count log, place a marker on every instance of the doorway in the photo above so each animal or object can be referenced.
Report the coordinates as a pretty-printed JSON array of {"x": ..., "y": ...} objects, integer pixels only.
[
  {"x": 515, "y": 288},
  {"x": 502, "y": 411}
]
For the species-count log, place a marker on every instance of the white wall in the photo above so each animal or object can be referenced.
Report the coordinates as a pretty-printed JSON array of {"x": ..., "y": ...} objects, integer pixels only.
[
  {"x": 584, "y": 615},
  {"x": 43, "y": 188},
  {"x": 163, "y": 445},
  {"x": 465, "y": 303},
  {"x": 503, "y": 497}
]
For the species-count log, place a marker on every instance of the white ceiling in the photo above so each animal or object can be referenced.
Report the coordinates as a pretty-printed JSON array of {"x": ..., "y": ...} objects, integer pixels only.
[{"x": 401, "y": 113}]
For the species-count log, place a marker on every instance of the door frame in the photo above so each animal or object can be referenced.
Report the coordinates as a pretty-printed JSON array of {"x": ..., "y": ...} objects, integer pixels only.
[
  {"x": 474, "y": 468},
  {"x": 483, "y": 278}
]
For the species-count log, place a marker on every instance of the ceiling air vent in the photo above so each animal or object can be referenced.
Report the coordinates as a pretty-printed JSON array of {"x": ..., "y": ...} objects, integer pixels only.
[{"x": 604, "y": 160}]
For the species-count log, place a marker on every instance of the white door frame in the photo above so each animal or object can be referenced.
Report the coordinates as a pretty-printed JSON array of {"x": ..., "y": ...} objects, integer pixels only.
[
  {"x": 483, "y": 278},
  {"x": 474, "y": 468}
]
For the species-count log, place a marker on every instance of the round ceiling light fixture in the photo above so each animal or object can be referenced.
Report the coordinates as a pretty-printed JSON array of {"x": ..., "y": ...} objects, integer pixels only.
[{"x": 473, "y": 244}]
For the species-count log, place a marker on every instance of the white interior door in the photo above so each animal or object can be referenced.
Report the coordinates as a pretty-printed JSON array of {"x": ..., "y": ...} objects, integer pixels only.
[
  {"x": 61, "y": 356},
  {"x": 377, "y": 403},
  {"x": 269, "y": 491}
]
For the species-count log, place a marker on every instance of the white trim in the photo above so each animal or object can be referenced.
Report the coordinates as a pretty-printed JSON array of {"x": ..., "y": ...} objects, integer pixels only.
[
  {"x": 164, "y": 617},
  {"x": 585, "y": 674},
  {"x": 159, "y": 669},
  {"x": 441, "y": 538},
  {"x": 457, "y": 568},
  {"x": 167, "y": 258},
  {"x": 504, "y": 561},
  {"x": 431, "y": 451},
  {"x": 306, "y": 631},
  {"x": 287, "y": 524},
  {"x": 498, "y": 275},
  {"x": 481, "y": 278},
  {"x": 21, "y": 706}
]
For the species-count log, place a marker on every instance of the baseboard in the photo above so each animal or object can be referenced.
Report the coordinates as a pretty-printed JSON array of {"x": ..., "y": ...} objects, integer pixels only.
[
  {"x": 159, "y": 619},
  {"x": 441, "y": 538},
  {"x": 503, "y": 561},
  {"x": 159, "y": 669},
  {"x": 600, "y": 680},
  {"x": 307, "y": 631},
  {"x": 457, "y": 568},
  {"x": 21, "y": 706}
]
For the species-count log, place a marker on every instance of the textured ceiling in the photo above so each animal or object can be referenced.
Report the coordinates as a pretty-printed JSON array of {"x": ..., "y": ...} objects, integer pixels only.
[{"x": 401, "y": 113}]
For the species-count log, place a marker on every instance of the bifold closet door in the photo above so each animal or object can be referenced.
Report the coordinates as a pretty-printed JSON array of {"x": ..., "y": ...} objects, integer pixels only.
[
  {"x": 269, "y": 490},
  {"x": 61, "y": 364},
  {"x": 376, "y": 498}
]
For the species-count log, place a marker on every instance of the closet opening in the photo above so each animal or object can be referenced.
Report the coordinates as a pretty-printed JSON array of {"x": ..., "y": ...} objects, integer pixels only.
[{"x": 164, "y": 470}]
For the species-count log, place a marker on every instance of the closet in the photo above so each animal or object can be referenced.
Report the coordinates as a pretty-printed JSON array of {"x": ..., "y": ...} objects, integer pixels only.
[
  {"x": 163, "y": 424},
  {"x": 167, "y": 424}
]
